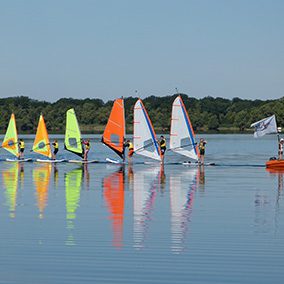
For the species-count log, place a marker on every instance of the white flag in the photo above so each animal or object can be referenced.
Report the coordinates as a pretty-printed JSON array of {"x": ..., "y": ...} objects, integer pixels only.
[{"x": 265, "y": 126}]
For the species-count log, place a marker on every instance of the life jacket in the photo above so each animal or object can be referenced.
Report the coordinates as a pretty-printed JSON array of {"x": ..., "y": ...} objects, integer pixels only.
[
  {"x": 55, "y": 144},
  {"x": 22, "y": 144},
  {"x": 201, "y": 146},
  {"x": 88, "y": 146},
  {"x": 130, "y": 146},
  {"x": 163, "y": 143}
]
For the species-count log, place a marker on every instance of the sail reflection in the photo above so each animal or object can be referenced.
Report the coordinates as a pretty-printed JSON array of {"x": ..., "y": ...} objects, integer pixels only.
[
  {"x": 113, "y": 186},
  {"x": 145, "y": 186},
  {"x": 182, "y": 189},
  {"x": 10, "y": 178},
  {"x": 41, "y": 178},
  {"x": 73, "y": 183}
]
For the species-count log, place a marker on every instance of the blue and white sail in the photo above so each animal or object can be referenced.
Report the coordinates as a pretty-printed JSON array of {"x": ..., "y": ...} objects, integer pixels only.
[
  {"x": 265, "y": 126},
  {"x": 182, "y": 137},
  {"x": 144, "y": 136}
]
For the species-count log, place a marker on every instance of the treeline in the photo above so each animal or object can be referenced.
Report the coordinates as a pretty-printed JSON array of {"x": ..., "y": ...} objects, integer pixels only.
[{"x": 206, "y": 114}]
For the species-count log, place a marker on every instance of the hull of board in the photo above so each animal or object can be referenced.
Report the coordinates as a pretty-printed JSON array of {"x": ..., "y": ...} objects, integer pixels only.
[
  {"x": 19, "y": 160},
  {"x": 198, "y": 164},
  {"x": 82, "y": 161},
  {"x": 49, "y": 161},
  {"x": 112, "y": 161},
  {"x": 275, "y": 164}
]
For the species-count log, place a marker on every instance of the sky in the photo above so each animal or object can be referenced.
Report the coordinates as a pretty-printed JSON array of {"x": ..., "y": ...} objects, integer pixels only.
[{"x": 111, "y": 48}]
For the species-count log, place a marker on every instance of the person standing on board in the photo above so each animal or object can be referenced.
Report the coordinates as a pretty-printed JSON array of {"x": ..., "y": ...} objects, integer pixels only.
[
  {"x": 130, "y": 147},
  {"x": 21, "y": 148},
  {"x": 56, "y": 148},
  {"x": 201, "y": 147},
  {"x": 86, "y": 145},
  {"x": 280, "y": 149},
  {"x": 163, "y": 147}
]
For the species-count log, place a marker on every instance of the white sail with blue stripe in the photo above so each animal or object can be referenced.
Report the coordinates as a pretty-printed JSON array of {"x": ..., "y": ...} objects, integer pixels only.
[
  {"x": 144, "y": 136},
  {"x": 182, "y": 137}
]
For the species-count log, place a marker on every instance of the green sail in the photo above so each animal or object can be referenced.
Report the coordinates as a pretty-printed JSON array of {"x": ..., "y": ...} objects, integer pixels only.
[
  {"x": 10, "y": 142},
  {"x": 72, "y": 141}
]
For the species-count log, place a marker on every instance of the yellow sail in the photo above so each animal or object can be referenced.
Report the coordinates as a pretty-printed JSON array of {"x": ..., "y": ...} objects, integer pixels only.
[
  {"x": 10, "y": 142},
  {"x": 41, "y": 143}
]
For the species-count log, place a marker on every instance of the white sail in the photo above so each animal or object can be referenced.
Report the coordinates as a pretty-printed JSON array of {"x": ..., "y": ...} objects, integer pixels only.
[
  {"x": 144, "y": 136},
  {"x": 182, "y": 137}
]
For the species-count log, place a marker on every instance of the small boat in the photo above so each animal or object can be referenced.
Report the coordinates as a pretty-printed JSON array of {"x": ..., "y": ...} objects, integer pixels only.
[
  {"x": 182, "y": 137},
  {"x": 114, "y": 132},
  {"x": 275, "y": 164},
  {"x": 72, "y": 142},
  {"x": 144, "y": 136}
]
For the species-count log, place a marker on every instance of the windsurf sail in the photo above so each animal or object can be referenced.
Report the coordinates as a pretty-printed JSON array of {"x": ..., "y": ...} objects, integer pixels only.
[
  {"x": 182, "y": 137},
  {"x": 144, "y": 136},
  {"x": 114, "y": 132},
  {"x": 41, "y": 143},
  {"x": 72, "y": 140},
  {"x": 10, "y": 142}
]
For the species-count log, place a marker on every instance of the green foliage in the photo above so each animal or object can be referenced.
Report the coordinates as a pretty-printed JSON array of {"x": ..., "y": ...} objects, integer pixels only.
[{"x": 206, "y": 114}]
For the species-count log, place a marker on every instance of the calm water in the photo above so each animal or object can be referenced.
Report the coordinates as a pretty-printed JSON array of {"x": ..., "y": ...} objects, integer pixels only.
[{"x": 146, "y": 223}]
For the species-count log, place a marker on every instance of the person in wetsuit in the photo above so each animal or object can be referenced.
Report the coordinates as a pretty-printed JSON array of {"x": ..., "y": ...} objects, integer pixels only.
[
  {"x": 163, "y": 147},
  {"x": 130, "y": 147},
  {"x": 55, "y": 149},
  {"x": 201, "y": 147},
  {"x": 280, "y": 149},
  {"x": 21, "y": 148},
  {"x": 86, "y": 144}
]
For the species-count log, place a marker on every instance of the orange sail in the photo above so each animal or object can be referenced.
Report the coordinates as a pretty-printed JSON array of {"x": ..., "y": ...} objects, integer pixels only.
[
  {"x": 114, "y": 132},
  {"x": 114, "y": 197},
  {"x": 41, "y": 143}
]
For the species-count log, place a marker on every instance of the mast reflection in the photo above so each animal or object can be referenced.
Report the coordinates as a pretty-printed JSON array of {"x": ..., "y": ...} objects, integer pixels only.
[
  {"x": 182, "y": 190},
  {"x": 41, "y": 178},
  {"x": 10, "y": 178},
  {"x": 145, "y": 184},
  {"x": 113, "y": 186},
  {"x": 73, "y": 183}
]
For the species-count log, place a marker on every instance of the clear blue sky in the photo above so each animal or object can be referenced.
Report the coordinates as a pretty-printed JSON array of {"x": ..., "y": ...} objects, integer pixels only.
[{"x": 107, "y": 49}]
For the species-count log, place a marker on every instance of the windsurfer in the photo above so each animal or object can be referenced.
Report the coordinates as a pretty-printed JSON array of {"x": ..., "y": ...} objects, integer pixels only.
[
  {"x": 21, "y": 148},
  {"x": 280, "y": 149},
  {"x": 201, "y": 147},
  {"x": 130, "y": 147},
  {"x": 163, "y": 147},
  {"x": 55, "y": 149},
  {"x": 86, "y": 146}
]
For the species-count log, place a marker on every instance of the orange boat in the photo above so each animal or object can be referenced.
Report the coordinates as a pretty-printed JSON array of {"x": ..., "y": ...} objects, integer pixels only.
[{"x": 275, "y": 164}]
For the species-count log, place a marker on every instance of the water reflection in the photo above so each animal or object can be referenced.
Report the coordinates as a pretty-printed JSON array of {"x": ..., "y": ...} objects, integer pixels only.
[
  {"x": 41, "y": 178},
  {"x": 144, "y": 195},
  {"x": 113, "y": 186},
  {"x": 73, "y": 183},
  {"x": 10, "y": 178},
  {"x": 182, "y": 189}
]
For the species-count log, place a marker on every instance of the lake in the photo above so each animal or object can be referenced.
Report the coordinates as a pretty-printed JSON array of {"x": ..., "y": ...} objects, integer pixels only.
[{"x": 144, "y": 223}]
